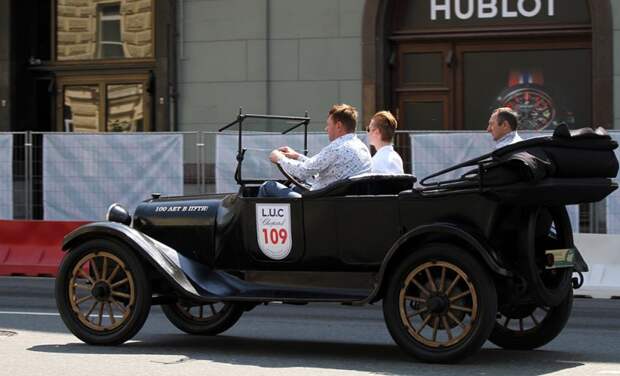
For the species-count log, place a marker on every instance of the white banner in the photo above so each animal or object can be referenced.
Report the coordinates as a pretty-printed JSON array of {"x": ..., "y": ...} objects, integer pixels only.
[
  {"x": 6, "y": 176},
  {"x": 432, "y": 152},
  {"x": 613, "y": 200},
  {"x": 256, "y": 164},
  {"x": 84, "y": 174}
]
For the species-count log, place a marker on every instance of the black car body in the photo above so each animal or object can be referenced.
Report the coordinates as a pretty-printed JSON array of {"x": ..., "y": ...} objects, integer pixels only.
[{"x": 455, "y": 262}]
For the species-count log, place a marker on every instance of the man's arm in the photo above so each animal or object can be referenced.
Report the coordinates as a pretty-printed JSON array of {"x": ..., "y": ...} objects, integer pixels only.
[{"x": 304, "y": 168}]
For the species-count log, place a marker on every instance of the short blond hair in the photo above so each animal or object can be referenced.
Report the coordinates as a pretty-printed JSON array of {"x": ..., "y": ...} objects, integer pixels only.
[
  {"x": 386, "y": 124},
  {"x": 346, "y": 114}
]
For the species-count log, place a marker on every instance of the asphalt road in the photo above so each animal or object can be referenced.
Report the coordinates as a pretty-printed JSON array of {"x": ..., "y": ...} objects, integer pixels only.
[{"x": 278, "y": 339}]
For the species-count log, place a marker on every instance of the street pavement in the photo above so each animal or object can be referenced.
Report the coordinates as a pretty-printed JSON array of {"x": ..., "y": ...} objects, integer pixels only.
[{"x": 319, "y": 339}]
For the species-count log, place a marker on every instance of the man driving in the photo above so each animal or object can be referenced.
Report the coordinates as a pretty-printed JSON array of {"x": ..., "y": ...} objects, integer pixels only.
[{"x": 345, "y": 156}]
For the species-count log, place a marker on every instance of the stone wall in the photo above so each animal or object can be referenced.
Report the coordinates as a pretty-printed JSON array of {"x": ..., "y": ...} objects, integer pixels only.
[{"x": 267, "y": 56}]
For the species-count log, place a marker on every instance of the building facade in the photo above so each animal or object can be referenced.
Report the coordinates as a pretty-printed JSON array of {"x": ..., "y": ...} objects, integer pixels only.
[
  {"x": 159, "y": 65},
  {"x": 438, "y": 64}
]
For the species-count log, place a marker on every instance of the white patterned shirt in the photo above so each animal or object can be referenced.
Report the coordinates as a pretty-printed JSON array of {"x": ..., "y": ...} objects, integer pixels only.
[
  {"x": 508, "y": 139},
  {"x": 387, "y": 161},
  {"x": 344, "y": 157}
]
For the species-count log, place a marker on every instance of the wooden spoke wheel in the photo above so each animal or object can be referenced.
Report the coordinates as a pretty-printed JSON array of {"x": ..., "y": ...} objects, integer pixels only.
[
  {"x": 203, "y": 318},
  {"x": 102, "y": 292},
  {"x": 440, "y": 304},
  {"x": 526, "y": 327}
]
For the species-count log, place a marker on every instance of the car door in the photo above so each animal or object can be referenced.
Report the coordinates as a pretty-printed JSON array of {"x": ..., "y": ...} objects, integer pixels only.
[{"x": 348, "y": 231}]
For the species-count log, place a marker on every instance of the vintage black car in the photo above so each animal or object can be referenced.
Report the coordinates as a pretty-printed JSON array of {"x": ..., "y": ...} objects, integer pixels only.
[{"x": 455, "y": 262}]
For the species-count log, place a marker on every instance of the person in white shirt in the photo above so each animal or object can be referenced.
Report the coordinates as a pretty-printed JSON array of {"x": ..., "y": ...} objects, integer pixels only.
[
  {"x": 381, "y": 135},
  {"x": 503, "y": 125},
  {"x": 345, "y": 156}
]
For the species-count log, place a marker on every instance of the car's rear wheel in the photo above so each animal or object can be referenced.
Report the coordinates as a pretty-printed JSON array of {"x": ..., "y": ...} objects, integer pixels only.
[
  {"x": 440, "y": 304},
  {"x": 102, "y": 292},
  {"x": 526, "y": 327},
  {"x": 203, "y": 319},
  {"x": 545, "y": 229}
]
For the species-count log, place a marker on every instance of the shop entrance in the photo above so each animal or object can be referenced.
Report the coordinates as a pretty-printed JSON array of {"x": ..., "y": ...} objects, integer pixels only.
[
  {"x": 445, "y": 64},
  {"x": 456, "y": 85}
]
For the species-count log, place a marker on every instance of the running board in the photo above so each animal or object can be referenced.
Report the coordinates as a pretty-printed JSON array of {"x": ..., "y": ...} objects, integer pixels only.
[{"x": 213, "y": 285}]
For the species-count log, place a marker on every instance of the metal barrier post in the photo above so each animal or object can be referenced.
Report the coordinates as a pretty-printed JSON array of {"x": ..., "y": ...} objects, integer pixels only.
[
  {"x": 28, "y": 170},
  {"x": 200, "y": 146}
]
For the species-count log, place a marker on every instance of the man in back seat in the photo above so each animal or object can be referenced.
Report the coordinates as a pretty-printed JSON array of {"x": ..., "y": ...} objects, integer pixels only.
[
  {"x": 503, "y": 125},
  {"x": 345, "y": 156}
]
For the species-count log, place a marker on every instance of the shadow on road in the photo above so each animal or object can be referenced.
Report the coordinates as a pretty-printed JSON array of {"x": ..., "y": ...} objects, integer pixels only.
[{"x": 376, "y": 358}]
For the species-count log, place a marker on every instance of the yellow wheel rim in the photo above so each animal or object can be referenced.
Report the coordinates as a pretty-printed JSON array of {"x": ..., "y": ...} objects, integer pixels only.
[
  {"x": 102, "y": 291},
  {"x": 438, "y": 304}
]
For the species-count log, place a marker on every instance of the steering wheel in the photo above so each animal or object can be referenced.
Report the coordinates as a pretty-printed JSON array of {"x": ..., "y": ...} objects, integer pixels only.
[{"x": 304, "y": 186}]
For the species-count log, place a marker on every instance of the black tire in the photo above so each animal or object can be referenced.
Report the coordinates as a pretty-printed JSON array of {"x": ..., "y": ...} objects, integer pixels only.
[
  {"x": 190, "y": 318},
  {"x": 436, "y": 299},
  {"x": 120, "y": 305},
  {"x": 532, "y": 331},
  {"x": 549, "y": 287}
]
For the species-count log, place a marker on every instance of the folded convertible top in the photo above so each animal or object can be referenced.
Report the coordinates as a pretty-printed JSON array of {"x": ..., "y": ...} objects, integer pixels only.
[{"x": 568, "y": 167}]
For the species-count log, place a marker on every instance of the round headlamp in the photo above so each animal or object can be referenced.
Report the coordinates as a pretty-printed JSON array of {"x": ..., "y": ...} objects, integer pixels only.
[{"x": 117, "y": 213}]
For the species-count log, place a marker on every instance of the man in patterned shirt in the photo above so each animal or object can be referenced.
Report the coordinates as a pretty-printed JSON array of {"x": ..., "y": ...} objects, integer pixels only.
[{"x": 345, "y": 156}]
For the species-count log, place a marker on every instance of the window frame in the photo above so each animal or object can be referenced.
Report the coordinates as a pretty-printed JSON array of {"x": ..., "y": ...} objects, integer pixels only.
[
  {"x": 102, "y": 82},
  {"x": 119, "y": 61},
  {"x": 101, "y": 19}
]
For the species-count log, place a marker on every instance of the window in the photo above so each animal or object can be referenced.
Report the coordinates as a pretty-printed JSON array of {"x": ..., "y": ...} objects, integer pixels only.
[
  {"x": 101, "y": 104},
  {"x": 90, "y": 30},
  {"x": 81, "y": 108},
  {"x": 546, "y": 87},
  {"x": 109, "y": 40},
  {"x": 125, "y": 108}
]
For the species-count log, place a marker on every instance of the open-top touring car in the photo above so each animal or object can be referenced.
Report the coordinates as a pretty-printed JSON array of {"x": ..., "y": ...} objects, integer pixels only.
[{"x": 488, "y": 255}]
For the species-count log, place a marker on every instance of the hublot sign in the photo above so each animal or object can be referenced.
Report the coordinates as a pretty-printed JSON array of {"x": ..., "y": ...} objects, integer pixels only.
[
  {"x": 426, "y": 16},
  {"x": 468, "y": 9}
]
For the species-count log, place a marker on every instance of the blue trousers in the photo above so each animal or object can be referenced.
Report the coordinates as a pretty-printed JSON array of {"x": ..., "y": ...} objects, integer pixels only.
[{"x": 274, "y": 189}]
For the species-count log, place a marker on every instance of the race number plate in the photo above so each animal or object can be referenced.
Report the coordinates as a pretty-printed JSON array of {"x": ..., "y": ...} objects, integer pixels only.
[{"x": 273, "y": 230}]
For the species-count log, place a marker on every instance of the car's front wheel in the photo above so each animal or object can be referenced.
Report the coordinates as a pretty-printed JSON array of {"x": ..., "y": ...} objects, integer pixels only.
[
  {"x": 203, "y": 318},
  {"x": 102, "y": 292},
  {"x": 440, "y": 304}
]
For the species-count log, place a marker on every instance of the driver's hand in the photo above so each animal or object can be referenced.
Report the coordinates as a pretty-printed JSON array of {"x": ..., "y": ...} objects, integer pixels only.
[
  {"x": 275, "y": 156},
  {"x": 289, "y": 152}
]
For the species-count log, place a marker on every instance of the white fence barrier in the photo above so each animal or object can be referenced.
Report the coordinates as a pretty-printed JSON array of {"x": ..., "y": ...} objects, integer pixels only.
[
  {"x": 84, "y": 174},
  {"x": 433, "y": 152},
  {"x": 602, "y": 254},
  {"x": 6, "y": 176},
  {"x": 613, "y": 200}
]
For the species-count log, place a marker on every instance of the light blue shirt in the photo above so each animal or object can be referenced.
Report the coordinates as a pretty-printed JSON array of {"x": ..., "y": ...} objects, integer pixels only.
[
  {"x": 344, "y": 157},
  {"x": 387, "y": 161},
  {"x": 508, "y": 139}
]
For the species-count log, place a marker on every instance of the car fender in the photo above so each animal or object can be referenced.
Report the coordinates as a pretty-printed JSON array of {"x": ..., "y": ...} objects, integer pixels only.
[
  {"x": 164, "y": 259},
  {"x": 463, "y": 233}
]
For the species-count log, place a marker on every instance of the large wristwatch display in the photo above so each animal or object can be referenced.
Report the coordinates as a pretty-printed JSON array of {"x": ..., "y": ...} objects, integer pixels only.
[{"x": 527, "y": 96}]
